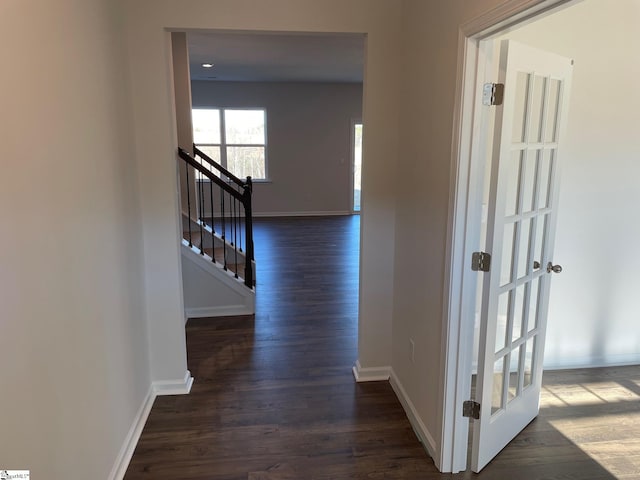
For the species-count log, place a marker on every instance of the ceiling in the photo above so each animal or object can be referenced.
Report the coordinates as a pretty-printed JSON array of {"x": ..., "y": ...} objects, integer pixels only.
[{"x": 271, "y": 57}]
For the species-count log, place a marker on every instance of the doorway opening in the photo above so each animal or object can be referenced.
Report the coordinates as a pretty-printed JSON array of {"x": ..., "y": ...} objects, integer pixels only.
[{"x": 356, "y": 154}]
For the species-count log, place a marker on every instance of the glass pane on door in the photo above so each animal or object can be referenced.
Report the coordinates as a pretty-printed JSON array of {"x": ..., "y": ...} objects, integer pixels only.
[
  {"x": 528, "y": 362},
  {"x": 514, "y": 375},
  {"x": 507, "y": 253},
  {"x": 546, "y": 169},
  {"x": 501, "y": 325},
  {"x": 498, "y": 384},
  {"x": 528, "y": 188},
  {"x": 551, "y": 120},
  {"x": 520, "y": 107},
  {"x": 537, "y": 108},
  {"x": 523, "y": 248},
  {"x": 518, "y": 311},
  {"x": 533, "y": 289},
  {"x": 512, "y": 183}
]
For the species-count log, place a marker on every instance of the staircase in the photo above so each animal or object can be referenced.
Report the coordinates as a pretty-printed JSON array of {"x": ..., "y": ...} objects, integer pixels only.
[
  {"x": 213, "y": 248},
  {"x": 217, "y": 243}
]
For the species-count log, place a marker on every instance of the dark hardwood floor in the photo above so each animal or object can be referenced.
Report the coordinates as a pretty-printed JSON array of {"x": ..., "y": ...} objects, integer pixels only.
[{"x": 274, "y": 397}]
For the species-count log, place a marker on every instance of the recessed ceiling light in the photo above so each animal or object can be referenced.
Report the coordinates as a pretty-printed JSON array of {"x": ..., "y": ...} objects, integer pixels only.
[{"x": 207, "y": 65}]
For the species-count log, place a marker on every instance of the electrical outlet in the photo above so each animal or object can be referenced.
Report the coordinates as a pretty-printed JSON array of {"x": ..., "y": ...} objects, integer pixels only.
[{"x": 412, "y": 348}]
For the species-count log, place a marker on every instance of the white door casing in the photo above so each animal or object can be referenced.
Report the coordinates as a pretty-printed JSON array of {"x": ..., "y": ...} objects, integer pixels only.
[{"x": 520, "y": 236}]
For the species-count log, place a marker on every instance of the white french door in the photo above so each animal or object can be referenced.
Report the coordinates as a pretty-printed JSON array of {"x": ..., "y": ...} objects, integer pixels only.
[{"x": 520, "y": 236}]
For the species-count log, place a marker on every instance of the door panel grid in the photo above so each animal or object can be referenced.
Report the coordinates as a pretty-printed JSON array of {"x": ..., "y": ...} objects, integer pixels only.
[{"x": 521, "y": 227}]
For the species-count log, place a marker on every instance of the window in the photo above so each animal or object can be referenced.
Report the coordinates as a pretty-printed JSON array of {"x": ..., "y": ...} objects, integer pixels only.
[{"x": 235, "y": 138}]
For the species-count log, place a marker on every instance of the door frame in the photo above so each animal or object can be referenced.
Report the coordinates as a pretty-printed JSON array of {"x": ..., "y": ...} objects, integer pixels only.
[{"x": 464, "y": 216}]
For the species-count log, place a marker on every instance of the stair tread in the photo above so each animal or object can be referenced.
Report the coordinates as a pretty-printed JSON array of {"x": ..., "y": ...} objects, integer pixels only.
[{"x": 217, "y": 253}]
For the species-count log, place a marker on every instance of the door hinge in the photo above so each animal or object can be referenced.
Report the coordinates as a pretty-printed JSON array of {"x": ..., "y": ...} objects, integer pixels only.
[
  {"x": 471, "y": 409},
  {"x": 492, "y": 94},
  {"x": 480, "y": 262}
]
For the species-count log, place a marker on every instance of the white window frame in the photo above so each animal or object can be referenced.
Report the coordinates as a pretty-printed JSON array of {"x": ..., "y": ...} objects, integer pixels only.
[{"x": 223, "y": 145}]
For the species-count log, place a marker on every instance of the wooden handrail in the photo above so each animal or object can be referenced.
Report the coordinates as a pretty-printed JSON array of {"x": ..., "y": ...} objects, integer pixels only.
[
  {"x": 221, "y": 183},
  {"x": 217, "y": 166}
]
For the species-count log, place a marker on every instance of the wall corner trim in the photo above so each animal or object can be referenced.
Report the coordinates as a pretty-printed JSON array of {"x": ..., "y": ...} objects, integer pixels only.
[
  {"x": 370, "y": 374},
  {"x": 131, "y": 440},
  {"x": 419, "y": 427},
  {"x": 173, "y": 387}
]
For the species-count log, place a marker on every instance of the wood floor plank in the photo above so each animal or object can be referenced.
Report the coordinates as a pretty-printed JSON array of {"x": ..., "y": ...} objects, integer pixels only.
[{"x": 274, "y": 397}]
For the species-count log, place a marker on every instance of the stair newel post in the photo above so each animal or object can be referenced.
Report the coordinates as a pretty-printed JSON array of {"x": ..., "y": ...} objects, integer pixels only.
[
  {"x": 232, "y": 225},
  {"x": 213, "y": 217},
  {"x": 249, "y": 278},
  {"x": 186, "y": 179},
  {"x": 241, "y": 226},
  {"x": 200, "y": 213},
  {"x": 234, "y": 216},
  {"x": 212, "y": 223},
  {"x": 223, "y": 216}
]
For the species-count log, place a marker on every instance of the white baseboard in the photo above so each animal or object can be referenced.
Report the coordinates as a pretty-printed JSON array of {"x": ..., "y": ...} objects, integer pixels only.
[
  {"x": 370, "y": 374},
  {"x": 131, "y": 440},
  {"x": 386, "y": 373},
  {"x": 416, "y": 422},
  {"x": 225, "y": 311},
  {"x": 173, "y": 387},
  {"x": 303, "y": 214},
  {"x": 594, "y": 362}
]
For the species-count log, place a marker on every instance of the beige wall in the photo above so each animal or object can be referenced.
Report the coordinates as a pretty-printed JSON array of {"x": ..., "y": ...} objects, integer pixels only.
[
  {"x": 593, "y": 312},
  {"x": 73, "y": 342},
  {"x": 408, "y": 104},
  {"x": 426, "y": 127},
  {"x": 426, "y": 117},
  {"x": 308, "y": 145},
  {"x": 78, "y": 349}
]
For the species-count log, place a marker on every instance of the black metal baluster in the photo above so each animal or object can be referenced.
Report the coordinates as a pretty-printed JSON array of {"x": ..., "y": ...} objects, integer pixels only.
[
  {"x": 223, "y": 216},
  {"x": 200, "y": 206},
  {"x": 213, "y": 223},
  {"x": 186, "y": 177}
]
